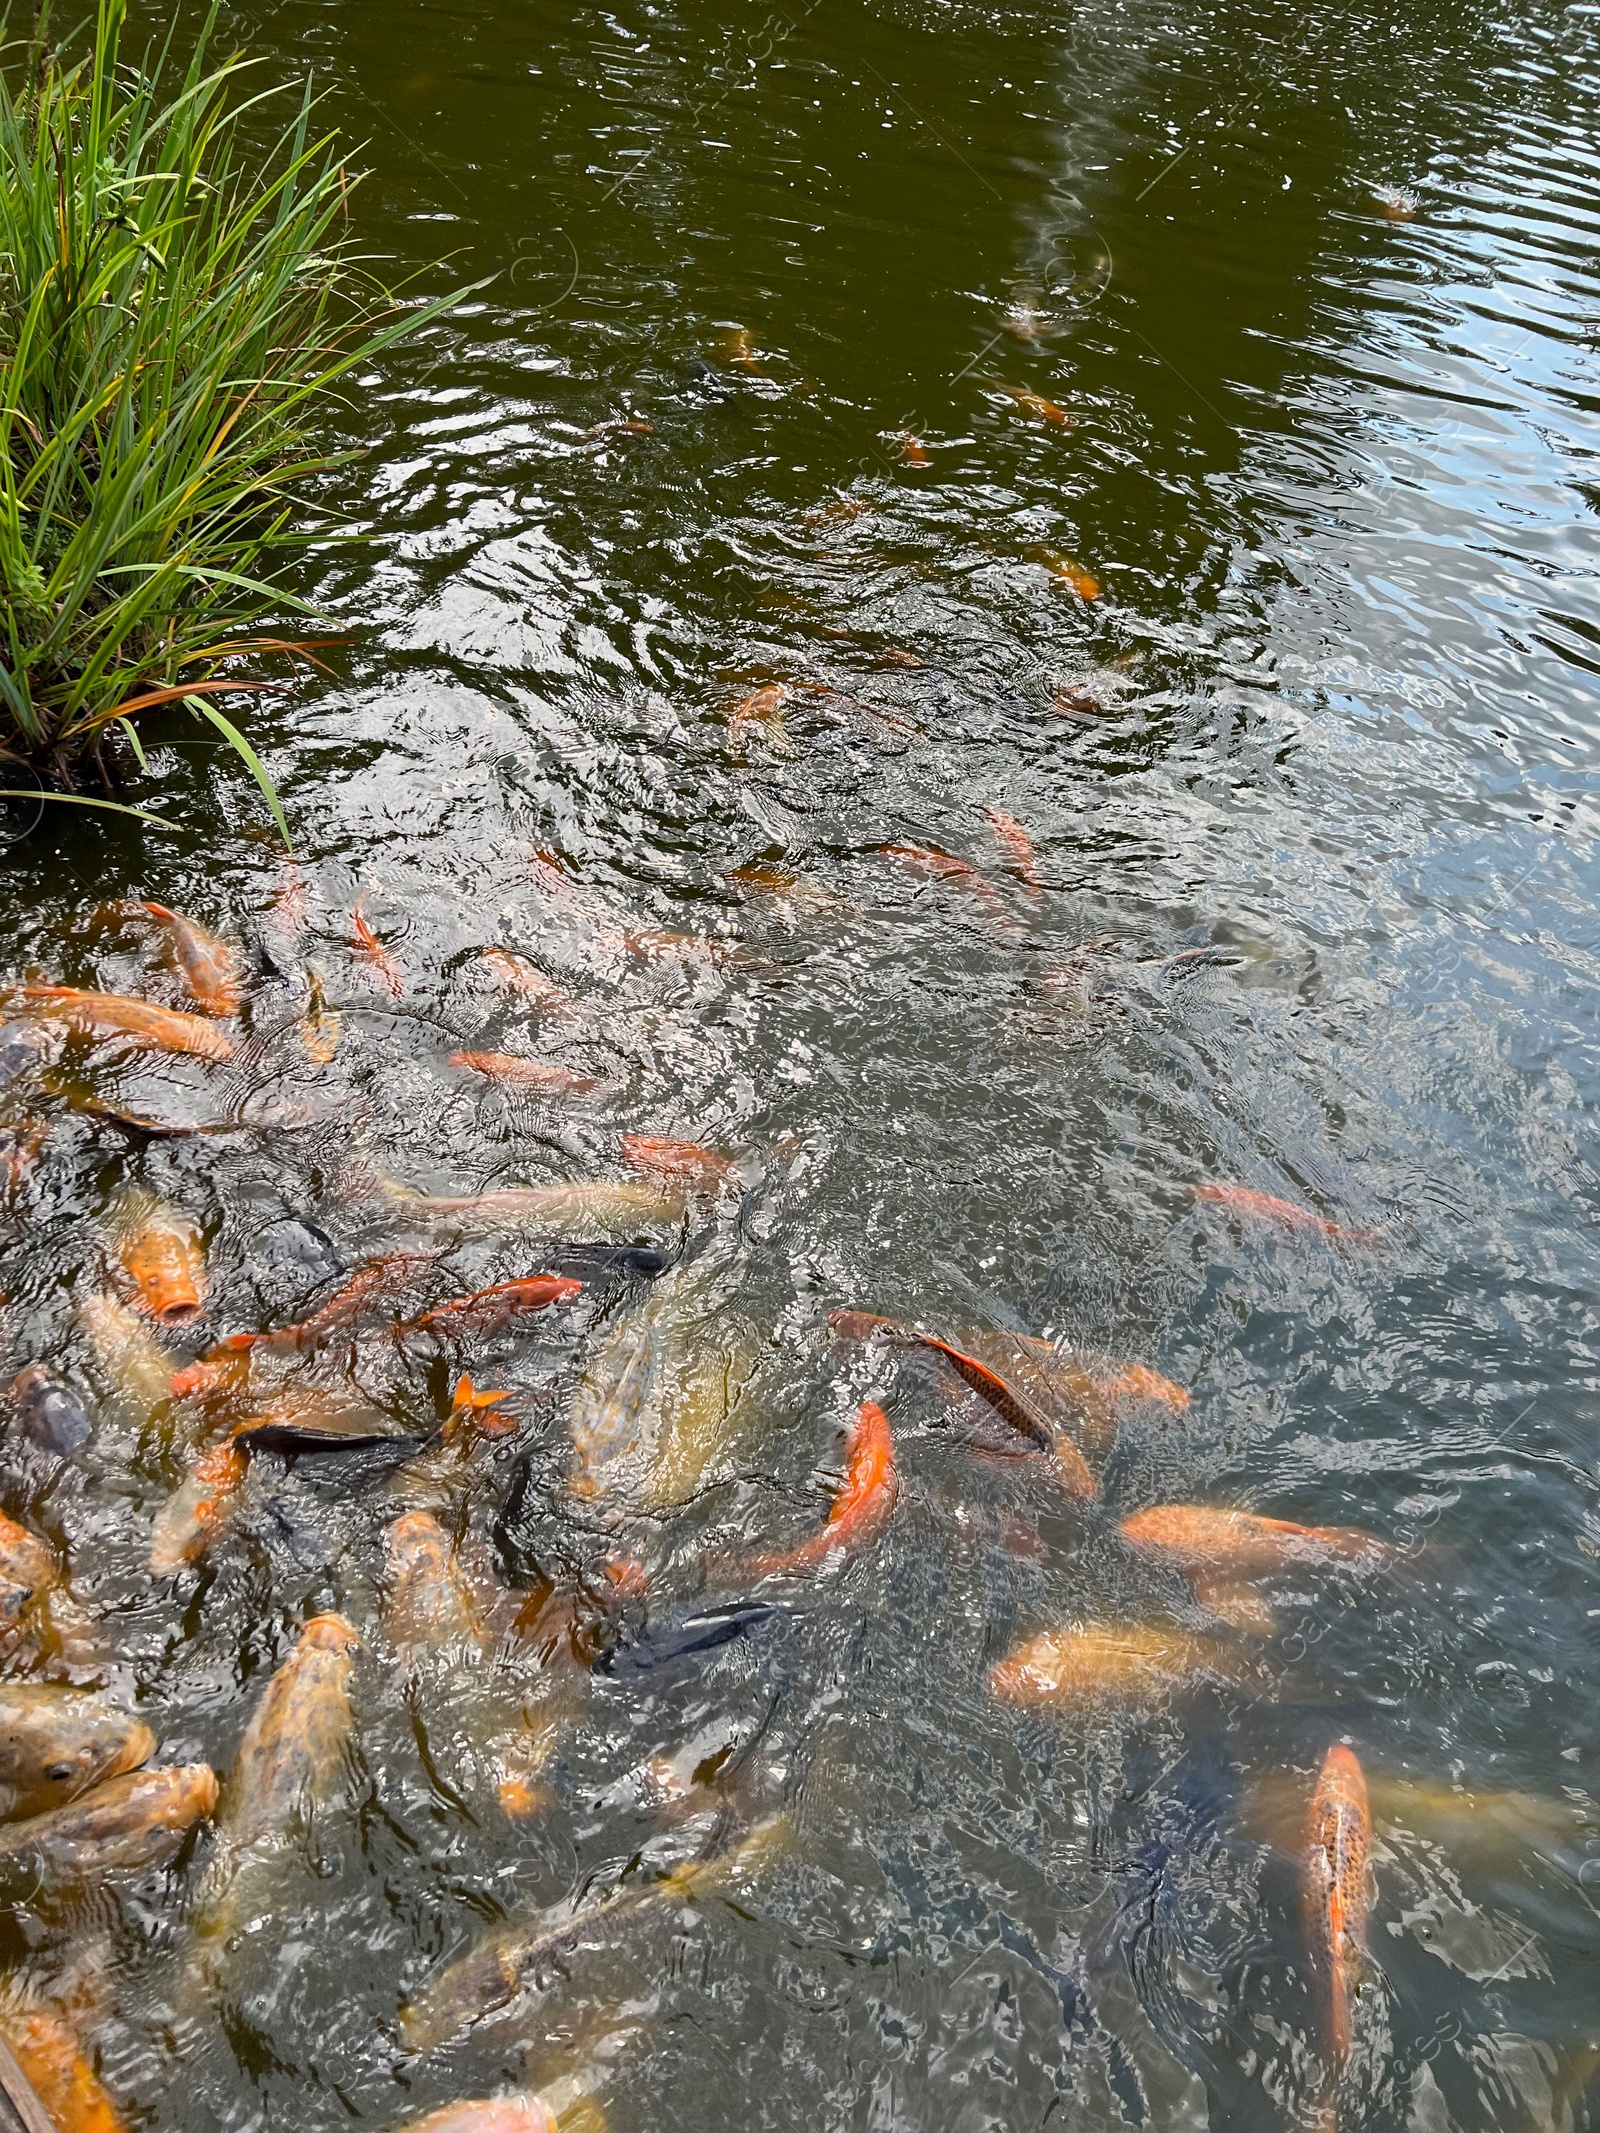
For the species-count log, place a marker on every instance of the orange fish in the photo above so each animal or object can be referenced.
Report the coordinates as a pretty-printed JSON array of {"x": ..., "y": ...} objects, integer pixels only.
[
  {"x": 1334, "y": 1885},
  {"x": 58, "y": 2071},
  {"x": 368, "y": 1288},
  {"x": 473, "y": 1407},
  {"x": 1006, "y": 1401},
  {"x": 687, "y": 1161},
  {"x": 944, "y": 866},
  {"x": 1204, "y": 1537},
  {"x": 862, "y": 1507},
  {"x": 1240, "y": 1200},
  {"x": 319, "y": 1025},
  {"x": 492, "y": 2114},
  {"x": 1033, "y": 403},
  {"x": 27, "y": 1565},
  {"x": 1109, "y": 1379},
  {"x": 160, "y": 1255},
  {"x": 1073, "y": 575},
  {"x": 1018, "y": 846},
  {"x": 509, "y": 1070},
  {"x": 522, "y": 976},
  {"x": 763, "y": 708},
  {"x": 1089, "y": 1664},
  {"x": 368, "y": 946},
  {"x": 913, "y": 451},
  {"x": 199, "y": 1508},
  {"x": 602, "y": 430},
  {"x": 490, "y": 1309},
  {"x": 209, "y": 966},
  {"x": 107, "y": 1015}
]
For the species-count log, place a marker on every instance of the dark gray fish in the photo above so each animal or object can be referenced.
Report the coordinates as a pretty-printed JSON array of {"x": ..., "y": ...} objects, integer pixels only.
[
  {"x": 687, "y": 1637},
  {"x": 52, "y": 1415}
]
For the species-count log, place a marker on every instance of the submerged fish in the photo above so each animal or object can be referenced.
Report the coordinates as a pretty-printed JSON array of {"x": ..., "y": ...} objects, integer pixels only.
[
  {"x": 488, "y": 1310},
  {"x": 1267, "y": 1207},
  {"x": 209, "y": 966},
  {"x": 319, "y": 1025},
  {"x": 1018, "y": 846},
  {"x": 495, "y": 1972},
  {"x": 913, "y": 452},
  {"x": 135, "y": 1365},
  {"x": 130, "y": 1822},
  {"x": 159, "y": 1252},
  {"x": 429, "y": 1604},
  {"x": 1207, "y": 1537},
  {"x": 52, "y": 1415},
  {"x": 198, "y": 1509},
  {"x": 668, "y": 1161},
  {"x": 374, "y": 954},
  {"x": 1334, "y": 1887},
  {"x": 27, "y": 1565},
  {"x": 657, "y": 1401},
  {"x": 924, "y": 859},
  {"x": 762, "y": 708},
  {"x": 862, "y": 1507},
  {"x": 109, "y": 1015},
  {"x": 364, "y": 1293},
  {"x": 57, "y": 2069},
  {"x": 1072, "y": 574},
  {"x": 1088, "y": 1665},
  {"x": 490, "y": 2114},
  {"x": 55, "y": 1743},
  {"x": 610, "y": 1207},
  {"x": 1033, "y": 403},
  {"x": 522, "y": 976},
  {"x": 292, "y": 1754},
  {"x": 509, "y": 1070}
]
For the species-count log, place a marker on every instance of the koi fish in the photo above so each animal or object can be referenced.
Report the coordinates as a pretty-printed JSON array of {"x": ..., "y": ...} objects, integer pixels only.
[
  {"x": 1266, "y": 1207},
  {"x": 508, "y": 1070},
  {"x": 27, "y": 1565},
  {"x": 320, "y": 1026},
  {"x": 602, "y": 430},
  {"x": 624, "y": 1208},
  {"x": 1207, "y": 1538},
  {"x": 1033, "y": 403},
  {"x": 494, "y": 1972},
  {"x": 763, "y": 708},
  {"x": 476, "y": 1415},
  {"x": 1018, "y": 846},
  {"x": 209, "y": 966},
  {"x": 476, "y": 1404},
  {"x": 135, "y": 1365},
  {"x": 913, "y": 452},
  {"x": 198, "y": 1508},
  {"x": 134, "y": 1821},
  {"x": 491, "y": 1309},
  {"x": 1071, "y": 574},
  {"x": 863, "y": 1505},
  {"x": 70, "y": 2093},
  {"x": 428, "y": 1603},
  {"x": 160, "y": 1256},
  {"x": 21, "y": 1145},
  {"x": 944, "y": 866},
  {"x": 378, "y": 959},
  {"x": 52, "y": 1415},
  {"x": 523, "y": 977},
  {"x": 735, "y": 346},
  {"x": 1082, "y": 1374},
  {"x": 1087, "y": 1665},
  {"x": 666, "y": 1160},
  {"x": 1013, "y": 1407},
  {"x": 492, "y": 2114},
  {"x": 367, "y": 1290},
  {"x": 293, "y": 1748},
  {"x": 1397, "y": 206},
  {"x": 109, "y": 1015},
  {"x": 57, "y": 1743},
  {"x": 1235, "y": 1603},
  {"x": 1334, "y": 1886},
  {"x": 290, "y": 900}
]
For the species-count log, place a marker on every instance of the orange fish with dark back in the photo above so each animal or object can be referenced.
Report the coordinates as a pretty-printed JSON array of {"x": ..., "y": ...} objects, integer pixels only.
[
  {"x": 490, "y": 1309},
  {"x": 1334, "y": 1887},
  {"x": 863, "y": 1505}
]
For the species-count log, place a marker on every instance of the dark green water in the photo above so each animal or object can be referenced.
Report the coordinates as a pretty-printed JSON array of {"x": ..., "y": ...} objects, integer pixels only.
[{"x": 1333, "y": 474}]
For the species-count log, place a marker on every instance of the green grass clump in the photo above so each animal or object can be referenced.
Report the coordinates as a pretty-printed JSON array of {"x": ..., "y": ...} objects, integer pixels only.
[{"x": 173, "y": 309}]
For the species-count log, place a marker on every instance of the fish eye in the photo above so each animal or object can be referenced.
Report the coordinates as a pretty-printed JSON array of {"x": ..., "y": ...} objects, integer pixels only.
[{"x": 58, "y": 1773}]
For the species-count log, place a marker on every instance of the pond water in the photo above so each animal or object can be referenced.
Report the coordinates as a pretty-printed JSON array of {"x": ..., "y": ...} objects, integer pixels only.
[{"x": 1172, "y": 432}]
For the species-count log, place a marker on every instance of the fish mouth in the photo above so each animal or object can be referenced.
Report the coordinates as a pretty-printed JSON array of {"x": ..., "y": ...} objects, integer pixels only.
[{"x": 182, "y": 1312}]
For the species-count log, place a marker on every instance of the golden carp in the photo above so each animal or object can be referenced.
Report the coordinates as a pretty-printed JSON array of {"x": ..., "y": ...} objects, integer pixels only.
[
  {"x": 495, "y": 1972},
  {"x": 56, "y": 1743},
  {"x": 209, "y": 967},
  {"x": 862, "y": 1507},
  {"x": 53, "y": 2059},
  {"x": 762, "y": 708},
  {"x": 621, "y": 1209},
  {"x": 27, "y": 1565},
  {"x": 373, "y": 953},
  {"x": 655, "y": 1404},
  {"x": 1206, "y": 1538},
  {"x": 913, "y": 452},
  {"x": 1235, "y": 1603},
  {"x": 134, "y": 1821},
  {"x": 199, "y": 1508},
  {"x": 320, "y": 1026},
  {"x": 293, "y": 1749},
  {"x": 1089, "y": 1665},
  {"x": 1070, "y": 573},
  {"x": 1334, "y": 1887},
  {"x": 133, "y": 1364},
  {"x": 434, "y": 1473},
  {"x": 524, "y": 978},
  {"x": 668, "y": 1161},
  {"x": 106, "y": 1016},
  {"x": 429, "y": 1604},
  {"x": 491, "y": 2114},
  {"x": 1032, "y": 403},
  {"x": 509, "y": 1070},
  {"x": 1017, "y": 846},
  {"x": 935, "y": 865},
  {"x": 159, "y": 1253},
  {"x": 1267, "y": 1207}
]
